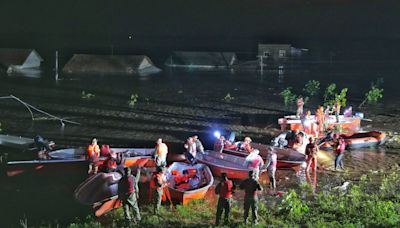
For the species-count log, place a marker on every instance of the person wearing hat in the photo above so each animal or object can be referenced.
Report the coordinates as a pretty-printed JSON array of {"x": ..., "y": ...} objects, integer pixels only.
[
  {"x": 225, "y": 190},
  {"x": 128, "y": 191},
  {"x": 246, "y": 145},
  {"x": 250, "y": 187}
]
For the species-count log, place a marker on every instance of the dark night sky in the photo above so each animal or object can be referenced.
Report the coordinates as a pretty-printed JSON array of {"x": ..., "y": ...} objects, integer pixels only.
[{"x": 180, "y": 24}]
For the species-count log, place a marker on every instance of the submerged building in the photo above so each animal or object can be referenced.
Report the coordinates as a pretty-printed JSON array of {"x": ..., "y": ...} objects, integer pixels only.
[
  {"x": 279, "y": 52},
  {"x": 206, "y": 60},
  {"x": 110, "y": 64},
  {"x": 15, "y": 60}
]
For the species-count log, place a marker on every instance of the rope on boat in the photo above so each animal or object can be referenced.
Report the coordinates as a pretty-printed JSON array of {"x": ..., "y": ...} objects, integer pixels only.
[{"x": 30, "y": 107}]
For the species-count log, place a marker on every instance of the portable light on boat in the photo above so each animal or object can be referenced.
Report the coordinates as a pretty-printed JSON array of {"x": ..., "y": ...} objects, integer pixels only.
[{"x": 217, "y": 134}]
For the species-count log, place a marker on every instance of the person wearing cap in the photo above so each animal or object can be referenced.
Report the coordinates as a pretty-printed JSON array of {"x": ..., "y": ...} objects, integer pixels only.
[
  {"x": 160, "y": 153},
  {"x": 311, "y": 152},
  {"x": 225, "y": 190},
  {"x": 254, "y": 162},
  {"x": 93, "y": 156},
  {"x": 246, "y": 145},
  {"x": 250, "y": 187},
  {"x": 157, "y": 184},
  {"x": 271, "y": 167},
  {"x": 128, "y": 193}
]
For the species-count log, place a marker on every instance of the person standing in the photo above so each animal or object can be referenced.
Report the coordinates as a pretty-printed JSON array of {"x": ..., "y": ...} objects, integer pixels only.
[
  {"x": 219, "y": 144},
  {"x": 254, "y": 162},
  {"x": 341, "y": 146},
  {"x": 128, "y": 193},
  {"x": 158, "y": 183},
  {"x": 199, "y": 145},
  {"x": 300, "y": 104},
  {"x": 160, "y": 153},
  {"x": 320, "y": 118},
  {"x": 225, "y": 190},
  {"x": 191, "y": 150},
  {"x": 246, "y": 145},
  {"x": 312, "y": 153},
  {"x": 271, "y": 167},
  {"x": 93, "y": 156},
  {"x": 251, "y": 186}
]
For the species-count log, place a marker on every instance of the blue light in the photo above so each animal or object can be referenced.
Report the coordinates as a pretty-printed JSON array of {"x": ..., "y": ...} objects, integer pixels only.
[{"x": 217, "y": 134}]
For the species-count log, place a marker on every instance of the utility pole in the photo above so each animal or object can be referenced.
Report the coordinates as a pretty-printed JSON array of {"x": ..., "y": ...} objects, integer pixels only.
[
  {"x": 56, "y": 69},
  {"x": 261, "y": 64}
]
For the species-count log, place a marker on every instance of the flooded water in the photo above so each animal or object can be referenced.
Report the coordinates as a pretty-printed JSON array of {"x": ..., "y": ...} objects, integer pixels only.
[{"x": 172, "y": 105}]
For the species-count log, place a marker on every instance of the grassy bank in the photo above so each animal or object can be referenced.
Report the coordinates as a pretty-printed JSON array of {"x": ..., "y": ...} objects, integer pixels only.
[{"x": 373, "y": 201}]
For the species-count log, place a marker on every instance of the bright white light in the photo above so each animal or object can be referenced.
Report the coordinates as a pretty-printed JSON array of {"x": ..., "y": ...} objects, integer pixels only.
[{"x": 217, "y": 134}]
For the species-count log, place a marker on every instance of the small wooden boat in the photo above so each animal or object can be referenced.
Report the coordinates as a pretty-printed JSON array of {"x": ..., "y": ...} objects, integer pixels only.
[
  {"x": 17, "y": 142},
  {"x": 193, "y": 185},
  {"x": 359, "y": 140},
  {"x": 233, "y": 166},
  {"x": 287, "y": 157},
  {"x": 74, "y": 160}
]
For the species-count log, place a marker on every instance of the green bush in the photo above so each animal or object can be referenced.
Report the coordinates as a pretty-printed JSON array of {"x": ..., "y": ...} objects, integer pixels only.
[
  {"x": 288, "y": 97},
  {"x": 311, "y": 88},
  {"x": 133, "y": 100},
  {"x": 329, "y": 94}
]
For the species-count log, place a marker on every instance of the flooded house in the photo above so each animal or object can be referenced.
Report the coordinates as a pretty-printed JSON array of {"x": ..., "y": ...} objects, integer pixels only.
[
  {"x": 279, "y": 52},
  {"x": 19, "y": 60},
  {"x": 110, "y": 64},
  {"x": 201, "y": 60}
]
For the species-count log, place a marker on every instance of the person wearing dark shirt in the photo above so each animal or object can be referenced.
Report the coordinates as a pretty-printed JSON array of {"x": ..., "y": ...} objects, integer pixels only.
[
  {"x": 250, "y": 187},
  {"x": 128, "y": 193},
  {"x": 225, "y": 190}
]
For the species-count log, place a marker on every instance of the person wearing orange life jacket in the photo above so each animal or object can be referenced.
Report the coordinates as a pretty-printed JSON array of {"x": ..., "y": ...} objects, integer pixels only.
[
  {"x": 157, "y": 184},
  {"x": 246, "y": 145},
  {"x": 93, "y": 156},
  {"x": 225, "y": 189},
  {"x": 160, "y": 153}
]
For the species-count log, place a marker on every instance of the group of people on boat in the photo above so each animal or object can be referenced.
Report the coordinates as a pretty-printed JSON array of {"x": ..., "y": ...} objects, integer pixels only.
[{"x": 316, "y": 125}]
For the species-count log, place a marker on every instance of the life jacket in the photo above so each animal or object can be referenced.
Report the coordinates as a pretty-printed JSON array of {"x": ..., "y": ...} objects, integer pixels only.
[
  {"x": 105, "y": 150},
  {"x": 161, "y": 150},
  {"x": 226, "y": 189},
  {"x": 182, "y": 182},
  {"x": 125, "y": 185},
  {"x": 93, "y": 150},
  {"x": 156, "y": 181},
  {"x": 110, "y": 163}
]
